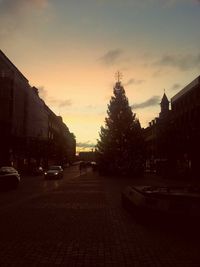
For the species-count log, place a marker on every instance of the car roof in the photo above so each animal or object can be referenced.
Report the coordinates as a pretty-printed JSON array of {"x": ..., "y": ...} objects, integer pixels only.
[
  {"x": 8, "y": 168},
  {"x": 55, "y": 166}
]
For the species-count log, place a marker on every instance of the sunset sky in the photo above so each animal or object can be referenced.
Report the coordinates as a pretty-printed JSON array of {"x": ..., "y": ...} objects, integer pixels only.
[{"x": 71, "y": 49}]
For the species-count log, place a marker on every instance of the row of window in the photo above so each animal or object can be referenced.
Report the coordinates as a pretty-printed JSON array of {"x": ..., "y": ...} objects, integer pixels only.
[{"x": 187, "y": 102}]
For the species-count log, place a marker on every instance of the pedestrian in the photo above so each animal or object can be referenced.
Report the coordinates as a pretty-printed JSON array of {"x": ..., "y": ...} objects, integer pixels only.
[{"x": 82, "y": 166}]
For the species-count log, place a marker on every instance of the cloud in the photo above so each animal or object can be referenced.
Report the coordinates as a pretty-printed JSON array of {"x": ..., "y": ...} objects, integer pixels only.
[
  {"x": 17, "y": 13},
  {"x": 134, "y": 82},
  {"x": 91, "y": 107},
  {"x": 182, "y": 62},
  {"x": 65, "y": 103},
  {"x": 86, "y": 144},
  {"x": 111, "y": 57},
  {"x": 42, "y": 92},
  {"x": 176, "y": 86},
  {"x": 60, "y": 103},
  {"x": 10, "y": 6},
  {"x": 153, "y": 101},
  {"x": 146, "y": 3}
]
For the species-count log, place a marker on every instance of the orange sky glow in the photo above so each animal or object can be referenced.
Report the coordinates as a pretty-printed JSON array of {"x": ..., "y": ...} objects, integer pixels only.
[{"x": 71, "y": 50}]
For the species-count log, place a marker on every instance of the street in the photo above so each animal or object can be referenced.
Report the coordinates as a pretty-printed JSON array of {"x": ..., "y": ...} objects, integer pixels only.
[{"x": 79, "y": 221}]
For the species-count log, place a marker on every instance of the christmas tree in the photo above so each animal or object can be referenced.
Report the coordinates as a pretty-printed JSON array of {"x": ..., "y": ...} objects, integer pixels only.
[{"x": 120, "y": 147}]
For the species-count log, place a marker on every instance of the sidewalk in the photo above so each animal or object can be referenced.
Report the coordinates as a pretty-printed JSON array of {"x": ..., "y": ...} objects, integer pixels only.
[
  {"x": 143, "y": 244},
  {"x": 155, "y": 179},
  {"x": 150, "y": 179}
]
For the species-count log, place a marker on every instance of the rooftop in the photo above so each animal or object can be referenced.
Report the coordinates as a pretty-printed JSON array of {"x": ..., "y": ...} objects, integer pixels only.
[
  {"x": 7, "y": 60},
  {"x": 186, "y": 89}
]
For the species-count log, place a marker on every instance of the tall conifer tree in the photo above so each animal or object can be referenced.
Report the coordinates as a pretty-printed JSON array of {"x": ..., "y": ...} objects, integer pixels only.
[{"x": 120, "y": 147}]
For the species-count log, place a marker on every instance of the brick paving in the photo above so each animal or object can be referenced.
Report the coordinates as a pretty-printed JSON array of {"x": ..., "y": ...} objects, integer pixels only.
[{"x": 79, "y": 221}]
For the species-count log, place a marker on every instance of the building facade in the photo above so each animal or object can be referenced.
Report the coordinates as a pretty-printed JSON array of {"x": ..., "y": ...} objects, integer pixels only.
[
  {"x": 156, "y": 135},
  {"x": 30, "y": 133},
  {"x": 186, "y": 126},
  {"x": 174, "y": 137},
  {"x": 13, "y": 109}
]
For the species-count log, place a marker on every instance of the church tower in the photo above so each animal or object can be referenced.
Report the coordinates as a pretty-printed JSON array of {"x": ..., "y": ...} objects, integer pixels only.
[{"x": 164, "y": 105}]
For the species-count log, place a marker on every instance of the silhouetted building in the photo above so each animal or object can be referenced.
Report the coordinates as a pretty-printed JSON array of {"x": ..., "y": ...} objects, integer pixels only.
[
  {"x": 62, "y": 143},
  {"x": 164, "y": 105},
  {"x": 186, "y": 125},
  {"x": 175, "y": 136},
  {"x": 157, "y": 139},
  {"x": 13, "y": 110},
  {"x": 30, "y": 133}
]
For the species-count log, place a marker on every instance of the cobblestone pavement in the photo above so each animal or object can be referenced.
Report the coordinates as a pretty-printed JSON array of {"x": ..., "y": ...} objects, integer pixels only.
[{"x": 79, "y": 221}]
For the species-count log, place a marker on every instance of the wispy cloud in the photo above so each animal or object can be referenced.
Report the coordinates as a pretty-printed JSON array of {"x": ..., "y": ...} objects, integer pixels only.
[
  {"x": 10, "y": 6},
  {"x": 42, "y": 92},
  {"x": 64, "y": 103},
  {"x": 60, "y": 103},
  {"x": 111, "y": 57},
  {"x": 84, "y": 145},
  {"x": 146, "y": 3},
  {"x": 176, "y": 86},
  {"x": 91, "y": 107},
  {"x": 134, "y": 82},
  {"x": 153, "y": 101},
  {"x": 15, "y": 13},
  {"x": 182, "y": 62}
]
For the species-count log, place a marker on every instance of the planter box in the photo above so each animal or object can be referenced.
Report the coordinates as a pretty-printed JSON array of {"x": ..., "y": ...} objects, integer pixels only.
[{"x": 164, "y": 202}]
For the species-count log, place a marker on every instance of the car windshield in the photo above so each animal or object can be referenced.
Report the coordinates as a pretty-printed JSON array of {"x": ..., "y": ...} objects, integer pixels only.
[{"x": 56, "y": 168}]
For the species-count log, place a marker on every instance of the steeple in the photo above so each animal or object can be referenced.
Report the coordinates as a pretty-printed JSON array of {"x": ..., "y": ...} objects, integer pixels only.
[{"x": 164, "y": 105}]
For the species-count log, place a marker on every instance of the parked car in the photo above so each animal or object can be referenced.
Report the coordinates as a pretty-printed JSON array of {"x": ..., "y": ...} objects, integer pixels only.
[
  {"x": 9, "y": 177},
  {"x": 54, "y": 172}
]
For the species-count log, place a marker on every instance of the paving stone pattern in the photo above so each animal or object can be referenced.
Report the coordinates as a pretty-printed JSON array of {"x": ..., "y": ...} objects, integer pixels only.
[{"x": 81, "y": 223}]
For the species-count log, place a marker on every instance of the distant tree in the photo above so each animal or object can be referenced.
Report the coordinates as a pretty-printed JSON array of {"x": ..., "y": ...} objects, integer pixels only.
[{"x": 120, "y": 147}]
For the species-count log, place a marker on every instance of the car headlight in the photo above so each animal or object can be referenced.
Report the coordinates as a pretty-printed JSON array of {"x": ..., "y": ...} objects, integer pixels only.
[
  {"x": 55, "y": 173},
  {"x": 45, "y": 173}
]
